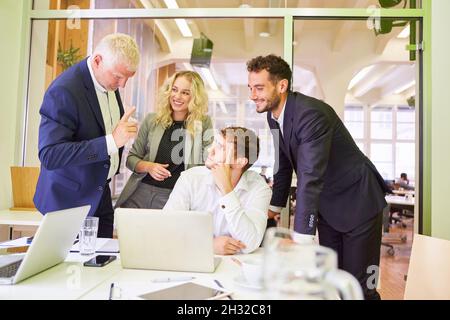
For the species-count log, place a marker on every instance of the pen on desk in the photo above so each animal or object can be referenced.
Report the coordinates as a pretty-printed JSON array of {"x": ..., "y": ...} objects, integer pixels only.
[
  {"x": 169, "y": 279},
  {"x": 111, "y": 289},
  {"x": 221, "y": 286}
]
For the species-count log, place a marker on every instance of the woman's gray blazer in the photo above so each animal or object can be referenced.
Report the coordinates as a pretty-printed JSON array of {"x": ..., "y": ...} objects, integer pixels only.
[{"x": 146, "y": 146}]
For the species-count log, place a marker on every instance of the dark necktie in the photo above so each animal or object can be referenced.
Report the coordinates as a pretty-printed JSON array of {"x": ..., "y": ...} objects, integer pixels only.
[{"x": 280, "y": 135}]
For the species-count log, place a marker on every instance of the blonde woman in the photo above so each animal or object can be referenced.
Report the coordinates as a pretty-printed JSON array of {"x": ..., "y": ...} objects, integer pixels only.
[{"x": 173, "y": 139}]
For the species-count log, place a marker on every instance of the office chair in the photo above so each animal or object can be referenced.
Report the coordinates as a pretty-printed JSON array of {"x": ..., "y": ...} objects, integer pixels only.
[
  {"x": 386, "y": 222},
  {"x": 386, "y": 241}
]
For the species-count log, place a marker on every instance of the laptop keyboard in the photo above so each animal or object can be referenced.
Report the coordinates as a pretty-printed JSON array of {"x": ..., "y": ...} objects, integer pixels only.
[{"x": 10, "y": 270}]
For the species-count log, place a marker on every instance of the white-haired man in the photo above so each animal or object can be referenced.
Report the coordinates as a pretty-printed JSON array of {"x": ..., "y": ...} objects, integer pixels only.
[{"x": 83, "y": 130}]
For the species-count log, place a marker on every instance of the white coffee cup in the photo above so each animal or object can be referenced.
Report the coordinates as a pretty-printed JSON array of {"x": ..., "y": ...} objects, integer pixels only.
[{"x": 252, "y": 270}]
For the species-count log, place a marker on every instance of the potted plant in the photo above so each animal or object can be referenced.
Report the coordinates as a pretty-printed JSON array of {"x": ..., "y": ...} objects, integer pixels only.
[{"x": 69, "y": 57}]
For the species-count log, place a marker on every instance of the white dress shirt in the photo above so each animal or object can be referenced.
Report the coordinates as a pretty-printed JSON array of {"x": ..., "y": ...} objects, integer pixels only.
[
  {"x": 280, "y": 122},
  {"x": 280, "y": 119},
  {"x": 111, "y": 116},
  {"x": 240, "y": 214}
]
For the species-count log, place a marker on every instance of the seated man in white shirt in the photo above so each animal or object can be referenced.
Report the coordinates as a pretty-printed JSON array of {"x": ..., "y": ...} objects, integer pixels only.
[{"x": 238, "y": 198}]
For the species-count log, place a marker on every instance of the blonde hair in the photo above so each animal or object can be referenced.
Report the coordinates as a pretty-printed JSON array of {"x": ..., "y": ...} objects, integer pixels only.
[
  {"x": 197, "y": 107},
  {"x": 119, "y": 48}
]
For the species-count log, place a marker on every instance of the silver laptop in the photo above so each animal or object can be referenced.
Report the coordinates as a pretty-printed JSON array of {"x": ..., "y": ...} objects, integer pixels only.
[
  {"x": 50, "y": 245},
  {"x": 166, "y": 240}
]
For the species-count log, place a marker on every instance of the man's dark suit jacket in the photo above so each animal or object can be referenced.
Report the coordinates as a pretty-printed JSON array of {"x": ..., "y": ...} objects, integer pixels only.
[
  {"x": 72, "y": 145},
  {"x": 334, "y": 178}
]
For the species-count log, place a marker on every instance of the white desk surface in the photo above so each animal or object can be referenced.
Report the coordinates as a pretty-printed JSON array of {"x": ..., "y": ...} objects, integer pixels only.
[
  {"x": 400, "y": 200},
  {"x": 22, "y": 218},
  {"x": 67, "y": 280},
  {"x": 226, "y": 272},
  {"x": 403, "y": 192},
  {"x": 71, "y": 280}
]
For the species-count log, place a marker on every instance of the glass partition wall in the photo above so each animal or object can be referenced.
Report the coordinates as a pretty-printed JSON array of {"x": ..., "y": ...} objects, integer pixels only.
[
  {"x": 232, "y": 4},
  {"x": 164, "y": 51},
  {"x": 239, "y": 31},
  {"x": 369, "y": 79}
]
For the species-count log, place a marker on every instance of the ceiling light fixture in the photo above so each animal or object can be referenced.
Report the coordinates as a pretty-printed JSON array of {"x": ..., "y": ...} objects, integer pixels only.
[
  {"x": 184, "y": 28},
  {"x": 181, "y": 23},
  {"x": 188, "y": 66},
  {"x": 223, "y": 107},
  {"x": 359, "y": 76},
  {"x": 171, "y": 4},
  {"x": 209, "y": 78},
  {"x": 405, "y": 87}
]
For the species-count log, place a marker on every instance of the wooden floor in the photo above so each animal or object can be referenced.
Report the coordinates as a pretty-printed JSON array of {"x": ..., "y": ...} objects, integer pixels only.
[{"x": 394, "y": 268}]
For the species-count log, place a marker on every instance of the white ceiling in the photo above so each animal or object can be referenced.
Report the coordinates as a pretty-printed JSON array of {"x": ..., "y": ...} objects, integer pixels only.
[{"x": 320, "y": 47}]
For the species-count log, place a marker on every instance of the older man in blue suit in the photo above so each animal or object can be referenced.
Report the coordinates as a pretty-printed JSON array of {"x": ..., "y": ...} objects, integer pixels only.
[
  {"x": 339, "y": 190},
  {"x": 83, "y": 130}
]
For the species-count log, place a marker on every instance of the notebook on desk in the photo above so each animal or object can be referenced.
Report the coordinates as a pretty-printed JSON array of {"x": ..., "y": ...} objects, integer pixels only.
[
  {"x": 166, "y": 240},
  {"x": 49, "y": 247}
]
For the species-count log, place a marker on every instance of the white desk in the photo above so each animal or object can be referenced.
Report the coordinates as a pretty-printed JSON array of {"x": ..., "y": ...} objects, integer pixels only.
[
  {"x": 403, "y": 192},
  {"x": 399, "y": 200},
  {"x": 225, "y": 273},
  {"x": 68, "y": 280},
  {"x": 22, "y": 218},
  {"x": 71, "y": 280},
  {"x": 9, "y": 219}
]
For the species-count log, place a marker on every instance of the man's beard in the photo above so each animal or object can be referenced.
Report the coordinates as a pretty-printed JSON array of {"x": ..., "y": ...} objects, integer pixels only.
[{"x": 272, "y": 103}]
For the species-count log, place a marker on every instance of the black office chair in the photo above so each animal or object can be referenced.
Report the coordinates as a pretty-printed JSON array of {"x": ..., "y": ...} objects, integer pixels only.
[
  {"x": 387, "y": 220},
  {"x": 386, "y": 223}
]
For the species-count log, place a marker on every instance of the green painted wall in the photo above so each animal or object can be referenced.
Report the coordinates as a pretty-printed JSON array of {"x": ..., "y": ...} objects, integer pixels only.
[
  {"x": 11, "y": 18},
  {"x": 440, "y": 119}
]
